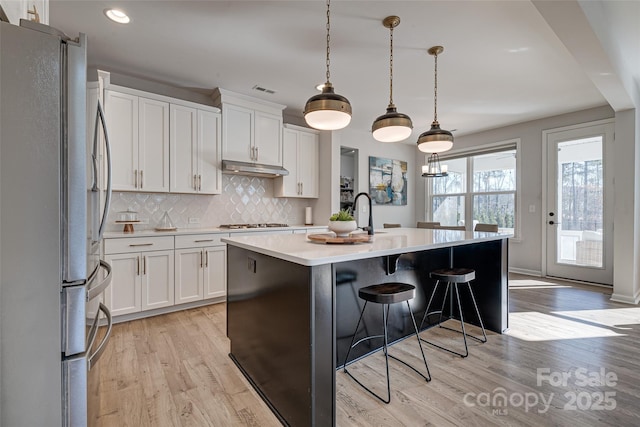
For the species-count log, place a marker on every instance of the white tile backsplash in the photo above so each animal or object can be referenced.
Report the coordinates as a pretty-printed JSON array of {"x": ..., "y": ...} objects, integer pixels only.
[{"x": 244, "y": 199}]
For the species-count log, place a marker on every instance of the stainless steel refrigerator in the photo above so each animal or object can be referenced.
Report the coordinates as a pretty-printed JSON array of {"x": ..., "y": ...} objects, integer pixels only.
[{"x": 53, "y": 326}]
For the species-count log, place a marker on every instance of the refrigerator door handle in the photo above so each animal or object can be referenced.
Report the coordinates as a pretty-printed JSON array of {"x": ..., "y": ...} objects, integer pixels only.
[
  {"x": 107, "y": 145},
  {"x": 94, "y": 291},
  {"x": 93, "y": 358}
]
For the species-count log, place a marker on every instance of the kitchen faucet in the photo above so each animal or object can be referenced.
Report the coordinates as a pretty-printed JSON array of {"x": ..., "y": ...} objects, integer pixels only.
[{"x": 368, "y": 229}]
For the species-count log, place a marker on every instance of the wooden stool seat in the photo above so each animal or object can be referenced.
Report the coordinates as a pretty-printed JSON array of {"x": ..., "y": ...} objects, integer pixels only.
[
  {"x": 387, "y": 293},
  {"x": 453, "y": 275}
]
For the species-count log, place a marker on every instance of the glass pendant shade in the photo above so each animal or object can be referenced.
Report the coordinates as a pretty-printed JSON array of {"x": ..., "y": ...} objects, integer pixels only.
[
  {"x": 435, "y": 140},
  {"x": 328, "y": 110},
  {"x": 392, "y": 126}
]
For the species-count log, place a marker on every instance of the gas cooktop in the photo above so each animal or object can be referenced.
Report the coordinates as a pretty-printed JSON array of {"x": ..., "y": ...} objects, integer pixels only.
[{"x": 260, "y": 225}]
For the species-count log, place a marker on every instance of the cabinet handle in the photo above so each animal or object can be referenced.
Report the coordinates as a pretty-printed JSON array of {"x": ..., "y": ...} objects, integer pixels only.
[
  {"x": 135, "y": 178},
  {"x": 257, "y": 153},
  {"x": 144, "y": 265},
  {"x": 137, "y": 266},
  {"x": 253, "y": 153},
  {"x": 195, "y": 182},
  {"x": 203, "y": 241},
  {"x": 301, "y": 188},
  {"x": 141, "y": 244},
  {"x": 199, "y": 182},
  {"x": 206, "y": 254},
  {"x": 34, "y": 12},
  {"x": 201, "y": 259},
  {"x": 141, "y": 180}
]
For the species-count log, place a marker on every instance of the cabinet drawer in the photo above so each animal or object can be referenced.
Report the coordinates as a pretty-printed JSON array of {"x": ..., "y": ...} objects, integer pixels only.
[
  {"x": 137, "y": 244},
  {"x": 200, "y": 240}
]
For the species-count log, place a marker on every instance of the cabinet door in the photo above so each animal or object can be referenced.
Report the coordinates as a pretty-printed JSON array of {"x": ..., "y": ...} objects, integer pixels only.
[
  {"x": 153, "y": 141},
  {"x": 268, "y": 138},
  {"x": 290, "y": 183},
  {"x": 210, "y": 175},
  {"x": 184, "y": 173},
  {"x": 237, "y": 134},
  {"x": 189, "y": 264},
  {"x": 157, "y": 279},
  {"x": 123, "y": 295},
  {"x": 122, "y": 121},
  {"x": 215, "y": 271},
  {"x": 308, "y": 164}
]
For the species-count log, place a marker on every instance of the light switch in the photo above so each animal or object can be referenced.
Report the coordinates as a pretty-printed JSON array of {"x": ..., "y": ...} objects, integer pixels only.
[{"x": 532, "y": 208}]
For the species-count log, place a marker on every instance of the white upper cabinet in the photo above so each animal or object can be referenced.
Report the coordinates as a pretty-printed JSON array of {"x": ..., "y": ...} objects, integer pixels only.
[
  {"x": 31, "y": 10},
  {"x": 153, "y": 145},
  {"x": 162, "y": 144},
  {"x": 251, "y": 128},
  {"x": 139, "y": 134},
  {"x": 301, "y": 160},
  {"x": 268, "y": 138},
  {"x": 195, "y": 151}
]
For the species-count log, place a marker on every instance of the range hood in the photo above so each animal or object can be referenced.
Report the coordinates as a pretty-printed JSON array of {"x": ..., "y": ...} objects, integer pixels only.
[{"x": 253, "y": 169}]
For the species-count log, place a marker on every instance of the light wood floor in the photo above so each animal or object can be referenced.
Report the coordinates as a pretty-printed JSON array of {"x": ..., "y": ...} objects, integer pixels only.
[{"x": 173, "y": 370}]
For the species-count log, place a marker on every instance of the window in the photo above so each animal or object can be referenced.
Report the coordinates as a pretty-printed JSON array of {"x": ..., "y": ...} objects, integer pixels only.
[{"x": 481, "y": 187}]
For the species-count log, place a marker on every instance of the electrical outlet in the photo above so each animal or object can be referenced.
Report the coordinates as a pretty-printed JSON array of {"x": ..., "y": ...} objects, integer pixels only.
[
  {"x": 251, "y": 265},
  {"x": 194, "y": 220}
]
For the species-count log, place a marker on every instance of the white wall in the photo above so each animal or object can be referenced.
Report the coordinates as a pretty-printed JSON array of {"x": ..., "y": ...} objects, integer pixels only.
[{"x": 525, "y": 255}]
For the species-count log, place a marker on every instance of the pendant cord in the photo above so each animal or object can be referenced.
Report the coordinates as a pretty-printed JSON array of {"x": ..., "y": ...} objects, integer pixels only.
[
  {"x": 328, "y": 38},
  {"x": 435, "y": 91},
  {"x": 391, "y": 67}
]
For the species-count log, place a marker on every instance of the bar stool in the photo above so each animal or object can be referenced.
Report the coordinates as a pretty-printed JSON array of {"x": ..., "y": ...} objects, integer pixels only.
[
  {"x": 386, "y": 294},
  {"x": 454, "y": 276}
]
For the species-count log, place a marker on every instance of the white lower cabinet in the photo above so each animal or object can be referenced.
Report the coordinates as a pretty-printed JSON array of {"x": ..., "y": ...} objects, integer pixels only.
[
  {"x": 143, "y": 277},
  {"x": 200, "y": 267}
]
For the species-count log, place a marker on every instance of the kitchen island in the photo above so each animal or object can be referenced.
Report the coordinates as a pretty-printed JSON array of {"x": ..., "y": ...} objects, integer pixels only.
[{"x": 292, "y": 304}]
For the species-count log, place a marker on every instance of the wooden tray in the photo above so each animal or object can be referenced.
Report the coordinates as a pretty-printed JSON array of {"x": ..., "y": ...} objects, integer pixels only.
[{"x": 333, "y": 239}]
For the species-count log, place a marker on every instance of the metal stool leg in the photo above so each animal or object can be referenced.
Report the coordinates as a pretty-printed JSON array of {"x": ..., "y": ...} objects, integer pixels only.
[
  {"x": 426, "y": 312},
  {"x": 385, "y": 320},
  {"x": 463, "y": 331},
  {"x": 484, "y": 334}
]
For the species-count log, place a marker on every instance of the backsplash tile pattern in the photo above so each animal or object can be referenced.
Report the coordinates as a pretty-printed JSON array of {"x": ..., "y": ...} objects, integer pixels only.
[{"x": 244, "y": 199}]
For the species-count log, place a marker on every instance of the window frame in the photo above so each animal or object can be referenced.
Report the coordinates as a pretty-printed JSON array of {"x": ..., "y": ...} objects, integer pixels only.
[{"x": 468, "y": 194}]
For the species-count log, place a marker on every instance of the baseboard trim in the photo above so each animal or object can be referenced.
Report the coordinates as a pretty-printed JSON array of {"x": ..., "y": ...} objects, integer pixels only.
[
  {"x": 626, "y": 299},
  {"x": 525, "y": 271},
  {"x": 165, "y": 310}
]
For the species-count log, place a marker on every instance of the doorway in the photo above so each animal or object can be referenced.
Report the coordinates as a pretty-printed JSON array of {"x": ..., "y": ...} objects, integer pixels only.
[
  {"x": 348, "y": 176},
  {"x": 579, "y": 199}
]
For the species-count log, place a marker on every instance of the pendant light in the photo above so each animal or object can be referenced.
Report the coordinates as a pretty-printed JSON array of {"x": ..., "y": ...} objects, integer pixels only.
[
  {"x": 328, "y": 110},
  {"x": 435, "y": 140},
  {"x": 392, "y": 126},
  {"x": 433, "y": 169}
]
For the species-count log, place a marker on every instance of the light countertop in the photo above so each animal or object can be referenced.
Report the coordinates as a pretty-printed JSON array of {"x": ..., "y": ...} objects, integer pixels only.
[
  {"x": 205, "y": 230},
  {"x": 389, "y": 241}
]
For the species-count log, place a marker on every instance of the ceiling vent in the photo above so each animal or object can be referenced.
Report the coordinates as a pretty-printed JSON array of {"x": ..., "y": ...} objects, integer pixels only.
[{"x": 263, "y": 89}]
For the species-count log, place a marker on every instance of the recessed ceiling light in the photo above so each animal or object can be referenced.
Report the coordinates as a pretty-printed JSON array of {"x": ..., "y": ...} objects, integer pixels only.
[
  {"x": 117, "y": 15},
  {"x": 518, "y": 50}
]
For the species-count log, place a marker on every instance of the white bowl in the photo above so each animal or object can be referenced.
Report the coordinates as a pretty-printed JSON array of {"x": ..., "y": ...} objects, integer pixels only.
[{"x": 343, "y": 228}]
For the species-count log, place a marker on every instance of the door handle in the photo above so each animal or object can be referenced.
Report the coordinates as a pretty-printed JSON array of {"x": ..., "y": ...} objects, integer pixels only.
[{"x": 553, "y": 222}]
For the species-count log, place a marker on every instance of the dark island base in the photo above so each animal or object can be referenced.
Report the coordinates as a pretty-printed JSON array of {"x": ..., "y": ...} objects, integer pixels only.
[{"x": 290, "y": 325}]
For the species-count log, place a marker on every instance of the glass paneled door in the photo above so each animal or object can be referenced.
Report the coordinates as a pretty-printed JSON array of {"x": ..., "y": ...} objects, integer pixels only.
[{"x": 579, "y": 199}]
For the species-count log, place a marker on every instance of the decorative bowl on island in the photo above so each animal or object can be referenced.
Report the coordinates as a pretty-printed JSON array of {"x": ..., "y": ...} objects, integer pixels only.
[{"x": 342, "y": 223}]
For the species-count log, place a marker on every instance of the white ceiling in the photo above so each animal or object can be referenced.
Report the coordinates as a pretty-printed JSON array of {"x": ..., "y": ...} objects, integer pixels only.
[{"x": 502, "y": 63}]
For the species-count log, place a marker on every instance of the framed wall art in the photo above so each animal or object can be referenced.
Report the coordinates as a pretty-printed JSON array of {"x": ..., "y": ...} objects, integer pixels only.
[{"x": 387, "y": 181}]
